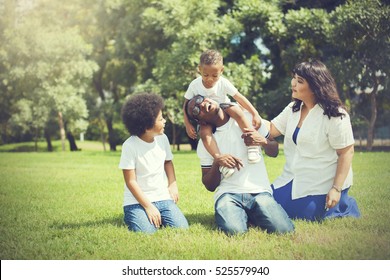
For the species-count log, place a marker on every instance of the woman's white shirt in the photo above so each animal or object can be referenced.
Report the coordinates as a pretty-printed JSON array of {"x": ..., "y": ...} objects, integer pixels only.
[{"x": 312, "y": 162}]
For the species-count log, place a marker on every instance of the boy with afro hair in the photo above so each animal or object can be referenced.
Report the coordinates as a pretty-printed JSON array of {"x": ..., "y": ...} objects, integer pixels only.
[{"x": 150, "y": 189}]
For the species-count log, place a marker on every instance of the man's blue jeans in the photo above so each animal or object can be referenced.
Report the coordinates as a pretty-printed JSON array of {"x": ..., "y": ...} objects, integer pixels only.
[
  {"x": 233, "y": 212},
  {"x": 136, "y": 218}
]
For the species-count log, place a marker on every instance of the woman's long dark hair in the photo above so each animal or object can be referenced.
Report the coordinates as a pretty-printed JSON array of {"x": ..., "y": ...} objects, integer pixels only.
[{"x": 323, "y": 86}]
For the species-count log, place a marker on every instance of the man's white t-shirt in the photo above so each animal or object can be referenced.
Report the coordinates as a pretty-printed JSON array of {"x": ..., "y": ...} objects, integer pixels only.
[
  {"x": 312, "y": 162},
  {"x": 147, "y": 159},
  {"x": 252, "y": 178},
  {"x": 220, "y": 92}
]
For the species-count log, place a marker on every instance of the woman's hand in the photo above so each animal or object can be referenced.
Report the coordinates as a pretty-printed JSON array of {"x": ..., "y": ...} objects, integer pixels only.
[
  {"x": 253, "y": 138},
  {"x": 332, "y": 198}
]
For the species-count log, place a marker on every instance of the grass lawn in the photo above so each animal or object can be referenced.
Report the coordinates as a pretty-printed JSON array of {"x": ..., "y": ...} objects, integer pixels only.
[{"x": 68, "y": 205}]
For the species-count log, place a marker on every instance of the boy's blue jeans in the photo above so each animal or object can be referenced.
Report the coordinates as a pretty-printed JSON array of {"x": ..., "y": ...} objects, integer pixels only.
[
  {"x": 136, "y": 218},
  {"x": 233, "y": 212}
]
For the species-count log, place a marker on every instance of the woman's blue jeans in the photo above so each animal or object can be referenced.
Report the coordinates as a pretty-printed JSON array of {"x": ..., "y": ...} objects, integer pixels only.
[
  {"x": 233, "y": 212},
  {"x": 136, "y": 218}
]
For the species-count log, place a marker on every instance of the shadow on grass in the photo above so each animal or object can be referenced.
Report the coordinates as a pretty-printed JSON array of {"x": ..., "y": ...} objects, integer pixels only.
[
  {"x": 114, "y": 221},
  {"x": 206, "y": 220},
  {"x": 27, "y": 148}
]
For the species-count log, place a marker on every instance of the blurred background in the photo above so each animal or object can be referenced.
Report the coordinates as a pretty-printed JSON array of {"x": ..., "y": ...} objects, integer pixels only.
[{"x": 66, "y": 67}]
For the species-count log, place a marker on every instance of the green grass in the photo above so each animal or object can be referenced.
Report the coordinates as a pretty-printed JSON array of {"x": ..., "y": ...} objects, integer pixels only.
[{"x": 67, "y": 205}]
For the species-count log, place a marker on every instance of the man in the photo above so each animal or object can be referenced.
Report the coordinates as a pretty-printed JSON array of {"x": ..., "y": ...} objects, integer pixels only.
[{"x": 246, "y": 196}]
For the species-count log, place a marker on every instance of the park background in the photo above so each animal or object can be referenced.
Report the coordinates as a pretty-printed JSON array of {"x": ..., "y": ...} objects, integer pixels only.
[{"x": 66, "y": 67}]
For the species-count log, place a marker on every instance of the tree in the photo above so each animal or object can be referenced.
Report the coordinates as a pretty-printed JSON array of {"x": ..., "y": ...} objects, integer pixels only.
[
  {"x": 351, "y": 37},
  {"x": 123, "y": 49},
  {"x": 48, "y": 67},
  {"x": 189, "y": 28},
  {"x": 361, "y": 32}
]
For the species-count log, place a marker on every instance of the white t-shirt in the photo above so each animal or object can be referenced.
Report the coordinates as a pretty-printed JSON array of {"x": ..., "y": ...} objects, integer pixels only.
[
  {"x": 147, "y": 159},
  {"x": 219, "y": 92},
  {"x": 312, "y": 162},
  {"x": 252, "y": 178}
]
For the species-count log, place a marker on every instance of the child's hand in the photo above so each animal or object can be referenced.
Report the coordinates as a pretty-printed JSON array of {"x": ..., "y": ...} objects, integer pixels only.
[
  {"x": 191, "y": 131},
  {"x": 174, "y": 192},
  {"x": 153, "y": 215},
  {"x": 256, "y": 121}
]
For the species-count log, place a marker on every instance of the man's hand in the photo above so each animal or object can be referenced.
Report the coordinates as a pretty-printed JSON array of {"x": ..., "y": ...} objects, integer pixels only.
[{"x": 229, "y": 161}]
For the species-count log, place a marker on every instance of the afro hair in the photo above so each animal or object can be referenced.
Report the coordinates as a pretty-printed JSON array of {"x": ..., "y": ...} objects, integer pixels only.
[{"x": 140, "y": 112}]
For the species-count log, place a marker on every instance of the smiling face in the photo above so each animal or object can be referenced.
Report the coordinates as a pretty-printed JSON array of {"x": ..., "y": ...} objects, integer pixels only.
[
  {"x": 159, "y": 125},
  {"x": 205, "y": 110}
]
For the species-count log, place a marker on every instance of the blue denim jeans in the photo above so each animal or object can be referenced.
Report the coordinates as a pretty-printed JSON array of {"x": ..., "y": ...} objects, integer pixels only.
[
  {"x": 137, "y": 220},
  {"x": 233, "y": 212}
]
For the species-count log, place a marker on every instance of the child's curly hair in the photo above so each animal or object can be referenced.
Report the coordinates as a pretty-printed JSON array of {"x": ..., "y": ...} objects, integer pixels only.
[{"x": 140, "y": 112}]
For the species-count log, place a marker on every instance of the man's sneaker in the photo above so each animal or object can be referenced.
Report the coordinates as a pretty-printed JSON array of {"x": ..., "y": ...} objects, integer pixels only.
[
  {"x": 254, "y": 154},
  {"x": 226, "y": 171}
]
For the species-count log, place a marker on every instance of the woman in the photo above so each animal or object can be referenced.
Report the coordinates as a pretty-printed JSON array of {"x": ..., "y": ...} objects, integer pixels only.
[{"x": 318, "y": 146}]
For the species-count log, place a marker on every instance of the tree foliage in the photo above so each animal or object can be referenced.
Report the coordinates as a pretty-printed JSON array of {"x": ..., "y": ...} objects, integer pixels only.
[
  {"x": 80, "y": 60},
  {"x": 46, "y": 69}
]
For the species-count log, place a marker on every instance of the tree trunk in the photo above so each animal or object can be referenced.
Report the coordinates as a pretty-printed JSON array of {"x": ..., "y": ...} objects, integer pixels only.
[
  {"x": 173, "y": 134},
  {"x": 111, "y": 135},
  {"x": 374, "y": 112},
  {"x": 36, "y": 139},
  {"x": 62, "y": 130},
  {"x": 4, "y": 134},
  {"x": 193, "y": 143},
  {"x": 97, "y": 82},
  {"x": 72, "y": 142},
  {"x": 103, "y": 137},
  {"x": 172, "y": 120},
  {"x": 48, "y": 141}
]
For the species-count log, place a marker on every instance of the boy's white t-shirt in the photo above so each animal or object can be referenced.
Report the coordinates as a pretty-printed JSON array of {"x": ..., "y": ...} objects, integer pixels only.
[
  {"x": 147, "y": 159},
  {"x": 220, "y": 92}
]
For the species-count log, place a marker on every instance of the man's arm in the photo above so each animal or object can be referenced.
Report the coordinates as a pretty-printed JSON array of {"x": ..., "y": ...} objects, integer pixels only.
[
  {"x": 211, "y": 177},
  {"x": 271, "y": 148}
]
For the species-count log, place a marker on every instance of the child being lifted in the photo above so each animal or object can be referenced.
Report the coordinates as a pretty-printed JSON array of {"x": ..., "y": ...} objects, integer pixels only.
[{"x": 211, "y": 84}]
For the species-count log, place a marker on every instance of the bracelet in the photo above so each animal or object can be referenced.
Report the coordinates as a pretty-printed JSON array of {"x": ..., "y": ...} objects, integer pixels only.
[{"x": 336, "y": 188}]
